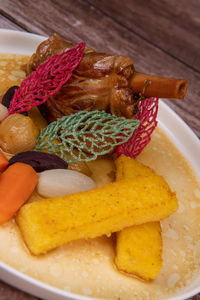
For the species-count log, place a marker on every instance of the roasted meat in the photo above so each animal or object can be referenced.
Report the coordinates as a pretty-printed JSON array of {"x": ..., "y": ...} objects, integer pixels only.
[{"x": 100, "y": 82}]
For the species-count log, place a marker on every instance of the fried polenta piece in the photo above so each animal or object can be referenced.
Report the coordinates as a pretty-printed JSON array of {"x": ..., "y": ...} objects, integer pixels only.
[
  {"x": 138, "y": 248},
  {"x": 128, "y": 168},
  {"x": 50, "y": 223}
]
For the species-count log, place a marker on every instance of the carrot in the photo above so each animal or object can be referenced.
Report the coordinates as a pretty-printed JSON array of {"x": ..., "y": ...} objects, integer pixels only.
[
  {"x": 16, "y": 185},
  {"x": 3, "y": 162}
]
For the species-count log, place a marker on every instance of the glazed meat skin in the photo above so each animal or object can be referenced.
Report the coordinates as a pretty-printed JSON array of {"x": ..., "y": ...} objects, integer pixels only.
[{"x": 100, "y": 82}]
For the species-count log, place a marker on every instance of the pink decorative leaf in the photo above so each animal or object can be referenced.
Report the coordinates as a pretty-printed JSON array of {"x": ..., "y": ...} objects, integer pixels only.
[
  {"x": 46, "y": 80},
  {"x": 148, "y": 110}
]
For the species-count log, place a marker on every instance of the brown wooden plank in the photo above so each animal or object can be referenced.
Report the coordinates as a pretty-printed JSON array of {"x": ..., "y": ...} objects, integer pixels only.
[
  {"x": 7, "y": 24},
  {"x": 173, "y": 26},
  {"x": 76, "y": 20},
  {"x": 7, "y": 293},
  {"x": 195, "y": 298}
]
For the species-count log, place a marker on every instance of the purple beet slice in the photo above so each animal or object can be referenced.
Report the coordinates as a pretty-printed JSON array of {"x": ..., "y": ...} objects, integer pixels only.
[{"x": 40, "y": 161}]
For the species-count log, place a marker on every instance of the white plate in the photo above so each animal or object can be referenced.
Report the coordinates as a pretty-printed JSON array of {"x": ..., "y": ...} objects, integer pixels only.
[{"x": 182, "y": 136}]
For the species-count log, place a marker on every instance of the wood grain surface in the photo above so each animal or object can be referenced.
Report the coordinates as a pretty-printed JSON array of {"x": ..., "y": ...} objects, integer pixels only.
[
  {"x": 167, "y": 25},
  {"x": 162, "y": 38}
]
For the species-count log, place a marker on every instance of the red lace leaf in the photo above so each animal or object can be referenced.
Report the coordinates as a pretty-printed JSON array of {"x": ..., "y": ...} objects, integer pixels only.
[
  {"x": 148, "y": 110},
  {"x": 46, "y": 80}
]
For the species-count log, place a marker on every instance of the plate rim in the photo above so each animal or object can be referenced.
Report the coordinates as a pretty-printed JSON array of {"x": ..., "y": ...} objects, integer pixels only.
[{"x": 48, "y": 291}]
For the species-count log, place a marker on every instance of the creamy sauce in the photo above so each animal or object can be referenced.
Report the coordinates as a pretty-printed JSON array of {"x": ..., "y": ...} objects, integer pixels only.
[
  {"x": 11, "y": 70},
  {"x": 87, "y": 267}
]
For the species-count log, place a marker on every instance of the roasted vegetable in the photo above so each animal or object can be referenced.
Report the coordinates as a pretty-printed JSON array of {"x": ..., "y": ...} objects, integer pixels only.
[
  {"x": 18, "y": 133},
  {"x": 80, "y": 166},
  {"x": 3, "y": 112},
  {"x": 3, "y": 162},
  {"x": 16, "y": 185},
  {"x": 59, "y": 182},
  {"x": 8, "y": 97},
  {"x": 40, "y": 161}
]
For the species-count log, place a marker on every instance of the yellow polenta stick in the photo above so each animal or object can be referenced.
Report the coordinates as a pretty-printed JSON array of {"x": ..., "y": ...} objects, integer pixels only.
[
  {"x": 49, "y": 223},
  {"x": 129, "y": 168},
  {"x": 138, "y": 248}
]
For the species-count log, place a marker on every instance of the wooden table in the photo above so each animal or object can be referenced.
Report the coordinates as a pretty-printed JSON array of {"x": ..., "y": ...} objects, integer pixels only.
[{"x": 162, "y": 37}]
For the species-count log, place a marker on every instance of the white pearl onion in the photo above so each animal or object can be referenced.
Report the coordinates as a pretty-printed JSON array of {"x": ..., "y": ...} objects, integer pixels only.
[
  {"x": 61, "y": 182},
  {"x": 3, "y": 112}
]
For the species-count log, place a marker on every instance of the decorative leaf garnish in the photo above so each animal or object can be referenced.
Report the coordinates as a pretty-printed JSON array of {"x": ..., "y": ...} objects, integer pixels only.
[
  {"x": 85, "y": 135},
  {"x": 48, "y": 78},
  {"x": 147, "y": 114}
]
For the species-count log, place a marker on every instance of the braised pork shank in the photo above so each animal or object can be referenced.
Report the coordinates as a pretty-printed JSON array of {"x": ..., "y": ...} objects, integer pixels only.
[{"x": 100, "y": 82}]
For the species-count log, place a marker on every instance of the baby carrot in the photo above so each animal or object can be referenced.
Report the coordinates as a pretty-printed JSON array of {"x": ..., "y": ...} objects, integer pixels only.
[
  {"x": 3, "y": 162},
  {"x": 16, "y": 185}
]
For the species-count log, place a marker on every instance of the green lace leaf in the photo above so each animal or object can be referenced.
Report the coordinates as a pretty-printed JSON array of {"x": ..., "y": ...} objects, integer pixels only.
[{"x": 85, "y": 135}]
